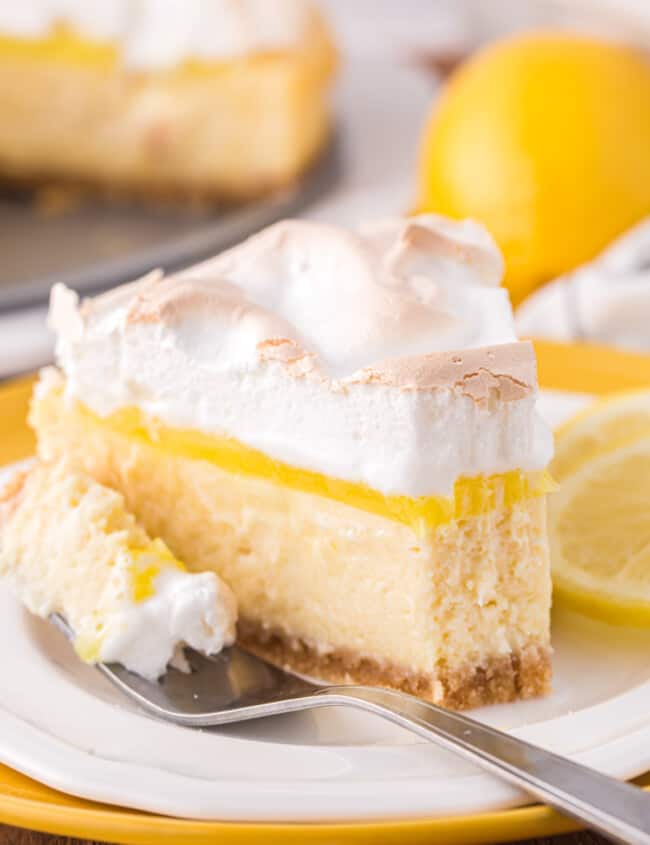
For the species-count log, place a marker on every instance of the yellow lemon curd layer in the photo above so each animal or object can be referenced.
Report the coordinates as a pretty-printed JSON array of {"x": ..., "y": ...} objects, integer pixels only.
[
  {"x": 471, "y": 497},
  {"x": 62, "y": 44}
]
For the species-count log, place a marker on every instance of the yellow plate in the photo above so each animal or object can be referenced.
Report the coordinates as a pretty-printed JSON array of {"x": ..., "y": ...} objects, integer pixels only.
[{"x": 26, "y": 803}]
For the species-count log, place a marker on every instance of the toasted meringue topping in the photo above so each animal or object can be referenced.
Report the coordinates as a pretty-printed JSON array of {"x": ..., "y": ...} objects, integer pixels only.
[
  {"x": 410, "y": 287},
  {"x": 305, "y": 341},
  {"x": 431, "y": 245},
  {"x": 155, "y": 34}
]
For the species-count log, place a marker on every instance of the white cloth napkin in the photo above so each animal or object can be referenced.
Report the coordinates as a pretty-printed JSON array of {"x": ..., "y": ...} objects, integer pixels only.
[{"x": 606, "y": 301}]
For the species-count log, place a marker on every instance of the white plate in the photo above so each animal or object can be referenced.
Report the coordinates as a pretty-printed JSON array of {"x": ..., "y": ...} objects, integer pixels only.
[{"x": 63, "y": 724}]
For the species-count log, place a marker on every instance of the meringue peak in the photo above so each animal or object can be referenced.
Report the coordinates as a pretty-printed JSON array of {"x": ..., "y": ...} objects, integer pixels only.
[{"x": 399, "y": 288}]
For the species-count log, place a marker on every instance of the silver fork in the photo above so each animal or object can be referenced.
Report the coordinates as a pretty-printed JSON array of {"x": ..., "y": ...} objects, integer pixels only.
[{"x": 235, "y": 686}]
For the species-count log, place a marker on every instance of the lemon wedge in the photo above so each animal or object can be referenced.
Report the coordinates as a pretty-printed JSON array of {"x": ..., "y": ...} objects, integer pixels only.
[
  {"x": 604, "y": 426},
  {"x": 599, "y": 520}
]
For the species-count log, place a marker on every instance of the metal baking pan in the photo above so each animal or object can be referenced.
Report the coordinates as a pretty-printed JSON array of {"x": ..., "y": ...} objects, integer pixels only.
[{"x": 94, "y": 246}]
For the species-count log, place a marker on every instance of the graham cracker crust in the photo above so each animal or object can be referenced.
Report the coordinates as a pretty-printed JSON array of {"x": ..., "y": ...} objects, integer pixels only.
[{"x": 503, "y": 678}]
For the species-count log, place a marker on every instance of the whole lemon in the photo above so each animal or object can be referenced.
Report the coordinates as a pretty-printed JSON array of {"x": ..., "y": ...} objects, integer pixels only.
[{"x": 544, "y": 138}]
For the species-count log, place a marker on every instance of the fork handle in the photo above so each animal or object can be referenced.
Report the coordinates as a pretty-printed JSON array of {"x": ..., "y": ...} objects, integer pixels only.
[{"x": 616, "y": 809}]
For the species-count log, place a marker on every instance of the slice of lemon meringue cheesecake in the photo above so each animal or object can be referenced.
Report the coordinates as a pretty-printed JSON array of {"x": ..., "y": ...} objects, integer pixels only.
[
  {"x": 342, "y": 425},
  {"x": 216, "y": 99}
]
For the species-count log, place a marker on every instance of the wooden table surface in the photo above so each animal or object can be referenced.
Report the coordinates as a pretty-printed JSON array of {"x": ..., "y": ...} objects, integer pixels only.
[{"x": 14, "y": 836}]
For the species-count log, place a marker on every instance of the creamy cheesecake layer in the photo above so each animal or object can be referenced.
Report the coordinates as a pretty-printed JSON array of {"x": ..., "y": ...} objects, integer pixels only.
[
  {"x": 454, "y": 613},
  {"x": 69, "y": 546},
  {"x": 208, "y": 124}
]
